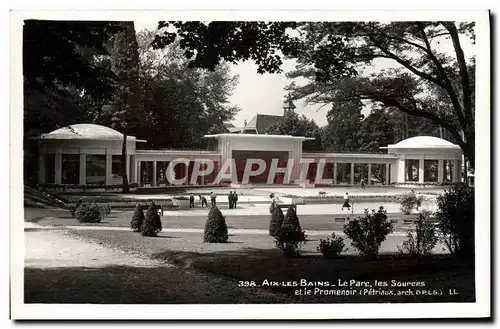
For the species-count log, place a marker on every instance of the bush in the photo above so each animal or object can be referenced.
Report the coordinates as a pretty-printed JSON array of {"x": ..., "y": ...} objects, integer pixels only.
[
  {"x": 331, "y": 248},
  {"x": 277, "y": 219},
  {"x": 137, "y": 219},
  {"x": 271, "y": 207},
  {"x": 422, "y": 239},
  {"x": 107, "y": 209},
  {"x": 368, "y": 232},
  {"x": 89, "y": 213},
  {"x": 151, "y": 225},
  {"x": 455, "y": 216},
  {"x": 74, "y": 208},
  {"x": 215, "y": 227},
  {"x": 408, "y": 202},
  {"x": 291, "y": 235}
]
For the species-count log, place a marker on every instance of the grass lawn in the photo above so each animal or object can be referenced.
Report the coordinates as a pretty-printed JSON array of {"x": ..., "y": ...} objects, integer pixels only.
[
  {"x": 121, "y": 218},
  {"x": 135, "y": 285},
  {"x": 252, "y": 260}
]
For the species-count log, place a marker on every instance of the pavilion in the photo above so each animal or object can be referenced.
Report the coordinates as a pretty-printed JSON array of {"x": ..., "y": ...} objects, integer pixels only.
[{"x": 90, "y": 154}]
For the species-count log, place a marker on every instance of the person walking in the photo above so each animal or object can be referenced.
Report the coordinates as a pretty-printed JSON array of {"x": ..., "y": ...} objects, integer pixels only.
[
  {"x": 191, "y": 200},
  {"x": 203, "y": 201},
  {"x": 346, "y": 202},
  {"x": 213, "y": 199}
]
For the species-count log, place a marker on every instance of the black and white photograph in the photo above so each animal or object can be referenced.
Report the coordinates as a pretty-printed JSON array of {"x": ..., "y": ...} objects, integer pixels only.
[{"x": 319, "y": 163}]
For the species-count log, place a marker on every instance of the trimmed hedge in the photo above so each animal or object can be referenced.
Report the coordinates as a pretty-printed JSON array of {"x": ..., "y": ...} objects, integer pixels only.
[
  {"x": 290, "y": 236},
  {"x": 137, "y": 219},
  {"x": 151, "y": 225},
  {"x": 276, "y": 222},
  {"x": 215, "y": 227},
  {"x": 90, "y": 213}
]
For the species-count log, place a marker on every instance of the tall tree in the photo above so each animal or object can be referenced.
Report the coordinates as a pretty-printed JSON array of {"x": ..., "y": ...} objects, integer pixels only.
[
  {"x": 336, "y": 50},
  {"x": 294, "y": 125},
  {"x": 60, "y": 77},
  {"x": 181, "y": 104},
  {"x": 125, "y": 104}
]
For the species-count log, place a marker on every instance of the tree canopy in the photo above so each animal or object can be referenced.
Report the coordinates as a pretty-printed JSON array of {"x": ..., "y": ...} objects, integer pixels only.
[{"x": 336, "y": 53}]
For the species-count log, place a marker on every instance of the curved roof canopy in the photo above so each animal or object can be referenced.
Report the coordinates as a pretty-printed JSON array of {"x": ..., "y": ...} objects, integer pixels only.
[
  {"x": 424, "y": 142},
  {"x": 85, "y": 131}
]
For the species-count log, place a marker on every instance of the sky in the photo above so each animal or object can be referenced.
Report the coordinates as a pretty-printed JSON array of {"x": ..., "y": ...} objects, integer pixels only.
[{"x": 265, "y": 93}]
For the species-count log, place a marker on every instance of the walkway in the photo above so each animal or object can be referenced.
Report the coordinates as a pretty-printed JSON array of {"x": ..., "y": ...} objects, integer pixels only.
[
  {"x": 308, "y": 209},
  {"x": 60, "y": 268}
]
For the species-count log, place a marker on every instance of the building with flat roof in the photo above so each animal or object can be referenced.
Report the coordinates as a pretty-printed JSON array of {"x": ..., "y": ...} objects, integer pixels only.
[{"x": 90, "y": 154}]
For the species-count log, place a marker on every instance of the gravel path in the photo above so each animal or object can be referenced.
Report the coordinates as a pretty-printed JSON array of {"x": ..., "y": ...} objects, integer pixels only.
[{"x": 51, "y": 249}]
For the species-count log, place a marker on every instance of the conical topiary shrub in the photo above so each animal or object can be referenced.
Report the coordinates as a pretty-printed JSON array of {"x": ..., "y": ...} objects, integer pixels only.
[
  {"x": 137, "y": 219},
  {"x": 291, "y": 235},
  {"x": 291, "y": 218},
  {"x": 152, "y": 223},
  {"x": 277, "y": 219},
  {"x": 215, "y": 227}
]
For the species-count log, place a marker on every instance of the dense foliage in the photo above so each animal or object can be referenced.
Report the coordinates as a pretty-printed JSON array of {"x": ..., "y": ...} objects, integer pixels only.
[
  {"x": 455, "y": 216},
  {"x": 90, "y": 212},
  {"x": 290, "y": 236},
  {"x": 331, "y": 248},
  {"x": 137, "y": 219},
  {"x": 102, "y": 72},
  {"x": 422, "y": 239},
  {"x": 276, "y": 222},
  {"x": 294, "y": 125},
  {"x": 332, "y": 55},
  {"x": 369, "y": 231},
  {"x": 151, "y": 225}
]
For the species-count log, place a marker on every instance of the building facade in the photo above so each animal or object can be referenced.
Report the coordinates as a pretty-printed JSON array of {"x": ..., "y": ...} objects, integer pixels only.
[{"x": 89, "y": 154}]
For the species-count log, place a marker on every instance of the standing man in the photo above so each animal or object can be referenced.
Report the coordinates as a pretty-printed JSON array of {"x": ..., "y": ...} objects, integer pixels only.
[
  {"x": 230, "y": 198},
  {"x": 362, "y": 184},
  {"x": 235, "y": 199},
  {"x": 213, "y": 199},
  {"x": 191, "y": 200}
]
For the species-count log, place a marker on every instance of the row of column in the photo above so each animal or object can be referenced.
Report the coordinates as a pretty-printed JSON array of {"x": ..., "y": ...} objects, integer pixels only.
[
  {"x": 82, "y": 175},
  {"x": 183, "y": 169},
  {"x": 352, "y": 173},
  {"x": 456, "y": 173}
]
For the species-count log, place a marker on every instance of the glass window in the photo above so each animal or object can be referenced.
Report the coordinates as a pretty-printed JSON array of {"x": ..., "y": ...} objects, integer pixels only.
[
  {"x": 448, "y": 171},
  {"x": 430, "y": 170},
  {"x": 96, "y": 169},
  {"x": 411, "y": 170},
  {"x": 70, "y": 168},
  {"x": 116, "y": 166}
]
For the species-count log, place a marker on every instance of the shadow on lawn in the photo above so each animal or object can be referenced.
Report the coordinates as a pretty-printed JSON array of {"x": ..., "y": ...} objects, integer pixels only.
[
  {"x": 131, "y": 285},
  {"x": 437, "y": 272}
]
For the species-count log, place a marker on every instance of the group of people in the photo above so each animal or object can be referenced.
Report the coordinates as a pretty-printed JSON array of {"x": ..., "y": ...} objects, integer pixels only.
[{"x": 232, "y": 197}]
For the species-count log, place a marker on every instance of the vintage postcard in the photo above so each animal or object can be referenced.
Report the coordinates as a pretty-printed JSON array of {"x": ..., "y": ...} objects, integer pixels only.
[{"x": 196, "y": 165}]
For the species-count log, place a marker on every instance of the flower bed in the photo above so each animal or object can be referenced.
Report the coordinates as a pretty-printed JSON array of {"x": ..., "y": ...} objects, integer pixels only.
[
  {"x": 339, "y": 198},
  {"x": 124, "y": 203}
]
